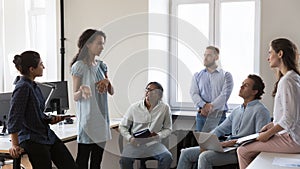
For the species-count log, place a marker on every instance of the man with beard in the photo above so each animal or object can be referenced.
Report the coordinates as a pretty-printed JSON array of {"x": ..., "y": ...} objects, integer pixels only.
[
  {"x": 210, "y": 90},
  {"x": 246, "y": 119}
]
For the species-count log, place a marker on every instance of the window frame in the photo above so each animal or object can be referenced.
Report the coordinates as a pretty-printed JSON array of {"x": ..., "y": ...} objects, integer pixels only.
[
  {"x": 29, "y": 39},
  {"x": 214, "y": 39}
]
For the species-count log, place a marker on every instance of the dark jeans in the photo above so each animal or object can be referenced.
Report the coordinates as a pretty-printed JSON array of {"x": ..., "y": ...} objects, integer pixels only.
[
  {"x": 41, "y": 155},
  {"x": 85, "y": 151}
]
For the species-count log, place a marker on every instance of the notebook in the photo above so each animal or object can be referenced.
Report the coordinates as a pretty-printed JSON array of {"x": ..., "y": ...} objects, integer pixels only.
[
  {"x": 210, "y": 141},
  {"x": 247, "y": 139},
  {"x": 142, "y": 134}
]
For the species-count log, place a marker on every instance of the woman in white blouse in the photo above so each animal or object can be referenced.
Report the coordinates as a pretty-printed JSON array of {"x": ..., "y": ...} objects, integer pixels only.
[{"x": 283, "y": 134}]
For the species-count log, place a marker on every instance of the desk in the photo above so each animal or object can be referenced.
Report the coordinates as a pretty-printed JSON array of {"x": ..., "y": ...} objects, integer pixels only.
[
  {"x": 66, "y": 132},
  {"x": 264, "y": 160}
]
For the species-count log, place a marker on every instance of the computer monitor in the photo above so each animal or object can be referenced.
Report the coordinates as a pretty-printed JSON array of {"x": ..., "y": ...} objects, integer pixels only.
[
  {"x": 58, "y": 100},
  {"x": 4, "y": 106}
]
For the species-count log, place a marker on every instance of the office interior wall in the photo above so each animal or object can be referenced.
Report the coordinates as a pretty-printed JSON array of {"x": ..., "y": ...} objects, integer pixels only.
[
  {"x": 277, "y": 20},
  {"x": 126, "y": 26},
  {"x": 126, "y": 51}
]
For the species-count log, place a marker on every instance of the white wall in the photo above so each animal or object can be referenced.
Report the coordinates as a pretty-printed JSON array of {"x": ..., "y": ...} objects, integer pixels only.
[
  {"x": 135, "y": 53},
  {"x": 126, "y": 26},
  {"x": 130, "y": 40},
  {"x": 278, "y": 19}
]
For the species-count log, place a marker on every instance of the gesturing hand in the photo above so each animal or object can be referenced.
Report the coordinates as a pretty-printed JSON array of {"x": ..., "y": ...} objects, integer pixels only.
[
  {"x": 85, "y": 91},
  {"x": 102, "y": 85}
]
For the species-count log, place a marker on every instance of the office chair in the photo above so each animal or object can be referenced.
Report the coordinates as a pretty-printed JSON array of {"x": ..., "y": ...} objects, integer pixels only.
[{"x": 142, "y": 161}]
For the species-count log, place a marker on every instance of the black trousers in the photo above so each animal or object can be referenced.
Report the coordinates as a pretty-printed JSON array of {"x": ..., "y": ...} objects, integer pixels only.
[
  {"x": 41, "y": 156},
  {"x": 93, "y": 151}
]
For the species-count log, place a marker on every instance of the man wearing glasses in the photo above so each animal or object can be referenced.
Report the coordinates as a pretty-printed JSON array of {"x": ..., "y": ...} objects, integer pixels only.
[{"x": 145, "y": 123}]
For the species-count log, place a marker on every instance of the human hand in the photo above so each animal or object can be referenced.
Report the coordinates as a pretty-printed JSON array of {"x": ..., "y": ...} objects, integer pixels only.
[
  {"x": 206, "y": 109},
  {"x": 55, "y": 119},
  {"x": 15, "y": 151},
  {"x": 204, "y": 112},
  {"x": 102, "y": 85},
  {"x": 86, "y": 91},
  {"x": 264, "y": 136},
  {"x": 228, "y": 143},
  {"x": 153, "y": 134},
  {"x": 267, "y": 127},
  {"x": 133, "y": 141},
  {"x": 202, "y": 150}
]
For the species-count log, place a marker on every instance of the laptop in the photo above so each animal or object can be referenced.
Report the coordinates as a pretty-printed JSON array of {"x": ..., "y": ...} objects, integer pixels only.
[{"x": 210, "y": 141}]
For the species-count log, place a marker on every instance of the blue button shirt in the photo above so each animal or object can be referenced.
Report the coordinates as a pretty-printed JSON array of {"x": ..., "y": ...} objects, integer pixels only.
[
  {"x": 26, "y": 115},
  {"x": 244, "y": 121},
  {"x": 214, "y": 88}
]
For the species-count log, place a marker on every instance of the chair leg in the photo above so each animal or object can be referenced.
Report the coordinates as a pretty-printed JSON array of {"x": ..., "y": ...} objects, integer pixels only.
[{"x": 143, "y": 164}]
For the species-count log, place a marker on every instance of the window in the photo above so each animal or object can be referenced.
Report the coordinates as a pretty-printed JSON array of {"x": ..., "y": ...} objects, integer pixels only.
[
  {"x": 33, "y": 27},
  {"x": 231, "y": 25}
]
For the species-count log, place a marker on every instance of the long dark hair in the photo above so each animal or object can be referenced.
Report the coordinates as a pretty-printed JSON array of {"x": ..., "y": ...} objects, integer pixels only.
[
  {"x": 26, "y": 60},
  {"x": 289, "y": 58},
  {"x": 85, "y": 38}
]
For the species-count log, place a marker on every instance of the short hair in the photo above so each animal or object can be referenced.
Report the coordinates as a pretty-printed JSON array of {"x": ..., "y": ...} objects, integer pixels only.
[
  {"x": 158, "y": 86},
  {"x": 258, "y": 85},
  {"x": 215, "y": 49}
]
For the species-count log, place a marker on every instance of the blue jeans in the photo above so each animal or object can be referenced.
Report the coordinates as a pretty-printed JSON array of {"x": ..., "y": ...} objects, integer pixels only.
[
  {"x": 157, "y": 151},
  {"x": 208, "y": 159},
  {"x": 188, "y": 157},
  {"x": 205, "y": 160},
  {"x": 206, "y": 124}
]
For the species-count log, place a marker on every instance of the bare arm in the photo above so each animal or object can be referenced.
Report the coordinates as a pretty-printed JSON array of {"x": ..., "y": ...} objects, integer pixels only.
[
  {"x": 15, "y": 151},
  {"x": 266, "y": 135},
  {"x": 76, "y": 85}
]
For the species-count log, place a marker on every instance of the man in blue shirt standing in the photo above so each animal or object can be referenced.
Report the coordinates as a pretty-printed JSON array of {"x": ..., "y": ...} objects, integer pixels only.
[
  {"x": 246, "y": 119},
  {"x": 210, "y": 90}
]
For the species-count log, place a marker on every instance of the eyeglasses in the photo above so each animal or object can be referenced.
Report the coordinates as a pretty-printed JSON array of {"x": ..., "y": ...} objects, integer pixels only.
[{"x": 149, "y": 89}]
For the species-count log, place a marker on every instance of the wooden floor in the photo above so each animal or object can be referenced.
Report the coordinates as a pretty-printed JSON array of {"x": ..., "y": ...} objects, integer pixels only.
[{"x": 24, "y": 161}]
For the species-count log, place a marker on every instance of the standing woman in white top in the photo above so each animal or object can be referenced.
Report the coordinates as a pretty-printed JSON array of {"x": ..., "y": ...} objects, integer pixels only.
[
  {"x": 283, "y": 134},
  {"x": 91, "y": 87}
]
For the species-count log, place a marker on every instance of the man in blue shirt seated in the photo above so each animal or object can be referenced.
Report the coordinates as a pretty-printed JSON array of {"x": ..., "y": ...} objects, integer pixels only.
[
  {"x": 246, "y": 119},
  {"x": 210, "y": 90}
]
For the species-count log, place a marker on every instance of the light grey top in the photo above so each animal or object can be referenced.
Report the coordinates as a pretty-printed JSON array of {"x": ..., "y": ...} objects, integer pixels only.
[{"x": 92, "y": 113}]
